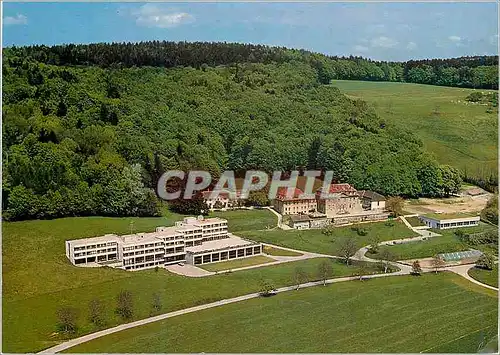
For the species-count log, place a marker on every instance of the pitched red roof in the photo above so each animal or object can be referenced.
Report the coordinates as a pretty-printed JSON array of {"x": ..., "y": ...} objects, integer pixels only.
[
  {"x": 338, "y": 188},
  {"x": 282, "y": 192}
]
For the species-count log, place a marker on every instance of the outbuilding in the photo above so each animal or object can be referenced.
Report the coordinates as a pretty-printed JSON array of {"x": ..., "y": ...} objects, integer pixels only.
[{"x": 447, "y": 221}]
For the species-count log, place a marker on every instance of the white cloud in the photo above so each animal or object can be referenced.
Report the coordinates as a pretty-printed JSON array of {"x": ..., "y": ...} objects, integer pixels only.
[
  {"x": 360, "y": 49},
  {"x": 15, "y": 20},
  {"x": 455, "y": 39},
  {"x": 411, "y": 46},
  {"x": 153, "y": 16},
  {"x": 494, "y": 40},
  {"x": 383, "y": 42}
]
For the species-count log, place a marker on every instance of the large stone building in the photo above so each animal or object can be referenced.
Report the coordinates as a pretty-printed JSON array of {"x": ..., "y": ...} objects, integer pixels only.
[
  {"x": 336, "y": 204},
  {"x": 193, "y": 240}
]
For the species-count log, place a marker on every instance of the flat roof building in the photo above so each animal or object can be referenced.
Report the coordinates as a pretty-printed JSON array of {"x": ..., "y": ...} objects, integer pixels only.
[
  {"x": 167, "y": 245},
  {"x": 452, "y": 220}
]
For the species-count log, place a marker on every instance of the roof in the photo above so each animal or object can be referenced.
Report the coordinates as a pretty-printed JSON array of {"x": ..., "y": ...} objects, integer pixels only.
[
  {"x": 460, "y": 255},
  {"x": 475, "y": 192},
  {"x": 337, "y": 188},
  {"x": 372, "y": 195},
  {"x": 140, "y": 238},
  {"x": 230, "y": 242},
  {"x": 300, "y": 218},
  {"x": 281, "y": 194},
  {"x": 108, "y": 238},
  {"x": 445, "y": 216}
]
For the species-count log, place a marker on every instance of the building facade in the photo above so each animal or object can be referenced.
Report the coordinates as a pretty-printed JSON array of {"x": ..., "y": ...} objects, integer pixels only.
[
  {"x": 336, "y": 204},
  {"x": 167, "y": 245},
  {"x": 447, "y": 221}
]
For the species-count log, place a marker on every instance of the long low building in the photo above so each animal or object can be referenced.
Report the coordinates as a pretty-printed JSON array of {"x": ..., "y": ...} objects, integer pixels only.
[
  {"x": 447, "y": 221},
  {"x": 190, "y": 240}
]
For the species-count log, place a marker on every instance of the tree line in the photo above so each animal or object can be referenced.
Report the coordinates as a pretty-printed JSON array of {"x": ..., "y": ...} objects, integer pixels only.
[
  {"x": 470, "y": 71},
  {"x": 94, "y": 141}
]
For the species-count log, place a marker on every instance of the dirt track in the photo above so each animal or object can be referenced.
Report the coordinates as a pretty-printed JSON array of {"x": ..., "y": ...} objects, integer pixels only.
[{"x": 464, "y": 203}]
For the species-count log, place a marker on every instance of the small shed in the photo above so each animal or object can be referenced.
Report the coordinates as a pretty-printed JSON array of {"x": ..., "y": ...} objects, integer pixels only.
[{"x": 300, "y": 221}]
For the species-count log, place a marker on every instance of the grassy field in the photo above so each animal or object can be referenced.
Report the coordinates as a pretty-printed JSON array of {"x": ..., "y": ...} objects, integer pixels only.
[
  {"x": 280, "y": 252},
  {"x": 448, "y": 242},
  {"x": 422, "y": 249},
  {"x": 234, "y": 264},
  {"x": 38, "y": 279},
  {"x": 241, "y": 220},
  {"x": 482, "y": 227},
  {"x": 459, "y": 134},
  {"x": 396, "y": 314},
  {"x": 415, "y": 221},
  {"x": 489, "y": 277},
  {"x": 314, "y": 240}
]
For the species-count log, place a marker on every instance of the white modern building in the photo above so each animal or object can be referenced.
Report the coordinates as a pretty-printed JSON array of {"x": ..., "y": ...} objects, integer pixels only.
[
  {"x": 189, "y": 240},
  {"x": 447, "y": 221}
]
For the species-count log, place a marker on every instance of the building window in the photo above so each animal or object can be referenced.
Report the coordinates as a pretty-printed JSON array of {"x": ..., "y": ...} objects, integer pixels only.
[{"x": 206, "y": 258}]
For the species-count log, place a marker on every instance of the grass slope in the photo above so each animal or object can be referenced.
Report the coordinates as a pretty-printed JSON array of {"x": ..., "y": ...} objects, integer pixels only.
[
  {"x": 314, "y": 240},
  {"x": 37, "y": 279},
  {"x": 395, "y": 314},
  {"x": 489, "y": 277},
  {"x": 279, "y": 252},
  {"x": 461, "y": 135},
  {"x": 448, "y": 242},
  {"x": 241, "y": 220},
  {"x": 234, "y": 264}
]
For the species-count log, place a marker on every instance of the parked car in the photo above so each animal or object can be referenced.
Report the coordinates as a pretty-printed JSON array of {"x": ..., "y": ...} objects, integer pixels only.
[{"x": 181, "y": 264}]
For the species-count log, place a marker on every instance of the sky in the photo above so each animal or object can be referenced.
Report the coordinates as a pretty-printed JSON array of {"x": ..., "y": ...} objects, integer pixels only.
[{"x": 380, "y": 31}]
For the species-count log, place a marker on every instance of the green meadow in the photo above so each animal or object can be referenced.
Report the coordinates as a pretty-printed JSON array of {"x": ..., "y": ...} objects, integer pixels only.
[
  {"x": 410, "y": 314},
  {"x": 314, "y": 240},
  {"x": 38, "y": 279},
  {"x": 448, "y": 242},
  {"x": 460, "y": 134},
  {"x": 489, "y": 277}
]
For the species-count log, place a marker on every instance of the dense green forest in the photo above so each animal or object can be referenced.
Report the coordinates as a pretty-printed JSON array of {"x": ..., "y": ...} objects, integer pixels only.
[
  {"x": 472, "y": 72},
  {"x": 89, "y": 140}
]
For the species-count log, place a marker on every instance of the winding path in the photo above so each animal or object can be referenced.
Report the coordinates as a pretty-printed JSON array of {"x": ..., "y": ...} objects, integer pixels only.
[
  {"x": 461, "y": 270},
  {"x": 83, "y": 339}
]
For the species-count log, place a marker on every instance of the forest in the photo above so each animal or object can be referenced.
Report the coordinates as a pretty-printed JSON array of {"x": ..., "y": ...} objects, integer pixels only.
[
  {"x": 470, "y": 72},
  {"x": 93, "y": 140}
]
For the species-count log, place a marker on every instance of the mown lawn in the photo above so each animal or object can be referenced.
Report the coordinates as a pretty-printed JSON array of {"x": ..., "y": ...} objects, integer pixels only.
[
  {"x": 38, "y": 279},
  {"x": 314, "y": 240},
  {"x": 395, "y": 314},
  {"x": 459, "y": 134},
  {"x": 279, "y": 252},
  {"x": 489, "y": 277},
  {"x": 448, "y": 242},
  {"x": 422, "y": 249},
  {"x": 482, "y": 227},
  {"x": 234, "y": 264},
  {"x": 241, "y": 220},
  {"x": 415, "y": 221}
]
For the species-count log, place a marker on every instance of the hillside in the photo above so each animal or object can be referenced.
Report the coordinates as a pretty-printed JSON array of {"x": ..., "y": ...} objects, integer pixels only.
[
  {"x": 94, "y": 141},
  {"x": 458, "y": 132}
]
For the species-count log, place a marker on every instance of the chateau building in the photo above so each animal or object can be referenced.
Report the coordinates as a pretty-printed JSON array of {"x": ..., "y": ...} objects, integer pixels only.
[{"x": 336, "y": 204}]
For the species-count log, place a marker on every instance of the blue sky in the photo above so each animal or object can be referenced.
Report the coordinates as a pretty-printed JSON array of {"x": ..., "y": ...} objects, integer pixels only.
[{"x": 382, "y": 31}]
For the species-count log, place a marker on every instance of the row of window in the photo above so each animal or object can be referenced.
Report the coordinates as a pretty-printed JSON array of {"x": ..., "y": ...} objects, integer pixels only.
[
  {"x": 92, "y": 259},
  {"x": 225, "y": 255}
]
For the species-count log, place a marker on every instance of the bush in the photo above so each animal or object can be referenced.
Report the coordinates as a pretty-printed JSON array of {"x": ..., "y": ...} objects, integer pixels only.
[
  {"x": 486, "y": 262},
  {"x": 475, "y": 96}
]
